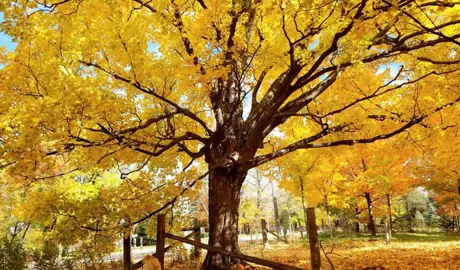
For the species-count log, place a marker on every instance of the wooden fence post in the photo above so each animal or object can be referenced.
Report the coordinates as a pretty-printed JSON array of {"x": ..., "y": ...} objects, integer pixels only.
[
  {"x": 197, "y": 238},
  {"x": 313, "y": 237},
  {"x": 160, "y": 244},
  {"x": 263, "y": 224}
]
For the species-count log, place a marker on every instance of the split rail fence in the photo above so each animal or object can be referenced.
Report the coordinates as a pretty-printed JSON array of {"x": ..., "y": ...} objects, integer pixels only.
[{"x": 196, "y": 242}]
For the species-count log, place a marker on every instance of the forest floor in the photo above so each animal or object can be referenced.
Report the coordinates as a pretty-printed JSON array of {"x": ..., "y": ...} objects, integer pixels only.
[{"x": 406, "y": 251}]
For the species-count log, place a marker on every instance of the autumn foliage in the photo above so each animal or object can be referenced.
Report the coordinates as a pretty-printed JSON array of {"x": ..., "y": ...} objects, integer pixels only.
[{"x": 114, "y": 111}]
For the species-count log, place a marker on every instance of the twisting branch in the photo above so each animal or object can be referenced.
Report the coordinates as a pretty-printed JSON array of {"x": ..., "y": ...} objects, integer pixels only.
[
  {"x": 436, "y": 62},
  {"x": 378, "y": 92},
  {"x": 292, "y": 107},
  {"x": 202, "y": 4},
  {"x": 172, "y": 201},
  {"x": 149, "y": 215},
  {"x": 326, "y": 254},
  {"x": 7, "y": 164},
  {"x": 332, "y": 48},
  {"x": 307, "y": 143},
  {"x": 151, "y": 92},
  {"x": 432, "y": 31},
  {"x": 178, "y": 23}
]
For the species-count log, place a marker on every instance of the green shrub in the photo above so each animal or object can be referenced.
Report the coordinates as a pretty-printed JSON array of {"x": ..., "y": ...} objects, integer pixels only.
[
  {"x": 12, "y": 255},
  {"x": 47, "y": 258}
]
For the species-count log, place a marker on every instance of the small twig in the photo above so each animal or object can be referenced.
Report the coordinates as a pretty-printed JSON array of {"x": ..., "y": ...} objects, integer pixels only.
[{"x": 327, "y": 253}]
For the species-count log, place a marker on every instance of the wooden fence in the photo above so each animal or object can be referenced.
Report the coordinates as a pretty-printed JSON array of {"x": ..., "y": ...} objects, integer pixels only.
[{"x": 196, "y": 242}]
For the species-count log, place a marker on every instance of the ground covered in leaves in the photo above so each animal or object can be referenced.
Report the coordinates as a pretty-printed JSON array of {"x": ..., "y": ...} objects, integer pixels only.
[{"x": 406, "y": 251}]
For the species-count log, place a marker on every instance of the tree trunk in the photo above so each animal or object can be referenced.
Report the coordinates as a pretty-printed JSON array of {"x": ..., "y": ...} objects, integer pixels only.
[
  {"x": 258, "y": 202},
  {"x": 224, "y": 199},
  {"x": 390, "y": 222},
  {"x": 285, "y": 229},
  {"x": 263, "y": 226},
  {"x": 127, "y": 263},
  {"x": 409, "y": 215},
  {"x": 357, "y": 219},
  {"x": 289, "y": 218},
  {"x": 458, "y": 220},
  {"x": 25, "y": 231},
  {"x": 371, "y": 224},
  {"x": 300, "y": 227},
  {"x": 303, "y": 203},
  {"x": 458, "y": 186},
  {"x": 326, "y": 205},
  {"x": 275, "y": 210},
  {"x": 456, "y": 225}
]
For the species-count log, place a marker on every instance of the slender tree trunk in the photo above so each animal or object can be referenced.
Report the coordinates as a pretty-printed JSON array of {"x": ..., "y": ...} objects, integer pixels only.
[
  {"x": 409, "y": 215},
  {"x": 224, "y": 199},
  {"x": 289, "y": 218},
  {"x": 300, "y": 227},
  {"x": 14, "y": 232},
  {"x": 326, "y": 205},
  {"x": 456, "y": 225},
  {"x": 258, "y": 207},
  {"x": 370, "y": 206},
  {"x": 357, "y": 219},
  {"x": 458, "y": 186},
  {"x": 390, "y": 222},
  {"x": 304, "y": 207},
  {"x": 458, "y": 219},
  {"x": 276, "y": 211},
  {"x": 127, "y": 263},
  {"x": 453, "y": 224},
  {"x": 25, "y": 231}
]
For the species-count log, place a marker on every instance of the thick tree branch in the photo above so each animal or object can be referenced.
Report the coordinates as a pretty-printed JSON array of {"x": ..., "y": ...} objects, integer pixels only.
[
  {"x": 307, "y": 143},
  {"x": 378, "y": 93},
  {"x": 398, "y": 48}
]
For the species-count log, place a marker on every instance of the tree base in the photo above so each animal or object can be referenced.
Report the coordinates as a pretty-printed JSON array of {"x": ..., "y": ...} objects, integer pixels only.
[{"x": 218, "y": 262}]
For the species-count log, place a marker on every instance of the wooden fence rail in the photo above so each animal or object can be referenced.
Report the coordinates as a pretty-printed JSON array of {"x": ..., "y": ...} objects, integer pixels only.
[
  {"x": 234, "y": 255},
  {"x": 140, "y": 263},
  {"x": 313, "y": 237}
]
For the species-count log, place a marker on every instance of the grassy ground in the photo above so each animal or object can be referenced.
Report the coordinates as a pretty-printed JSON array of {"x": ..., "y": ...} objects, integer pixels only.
[{"x": 406, "y": 251}]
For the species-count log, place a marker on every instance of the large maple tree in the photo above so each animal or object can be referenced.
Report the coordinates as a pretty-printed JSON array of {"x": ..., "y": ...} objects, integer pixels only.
[{"x": 228, "y": 84}]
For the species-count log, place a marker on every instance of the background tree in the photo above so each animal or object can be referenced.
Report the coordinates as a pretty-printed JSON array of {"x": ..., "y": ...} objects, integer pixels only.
[{"x": 377, "y": 173}]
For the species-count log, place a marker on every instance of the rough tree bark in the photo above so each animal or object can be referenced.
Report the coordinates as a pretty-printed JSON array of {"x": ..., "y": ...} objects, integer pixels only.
[
  {"x": 224, "y": 200},
  {"x": 127, "y": 263},
  {"x": 370, "y": 206}
]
